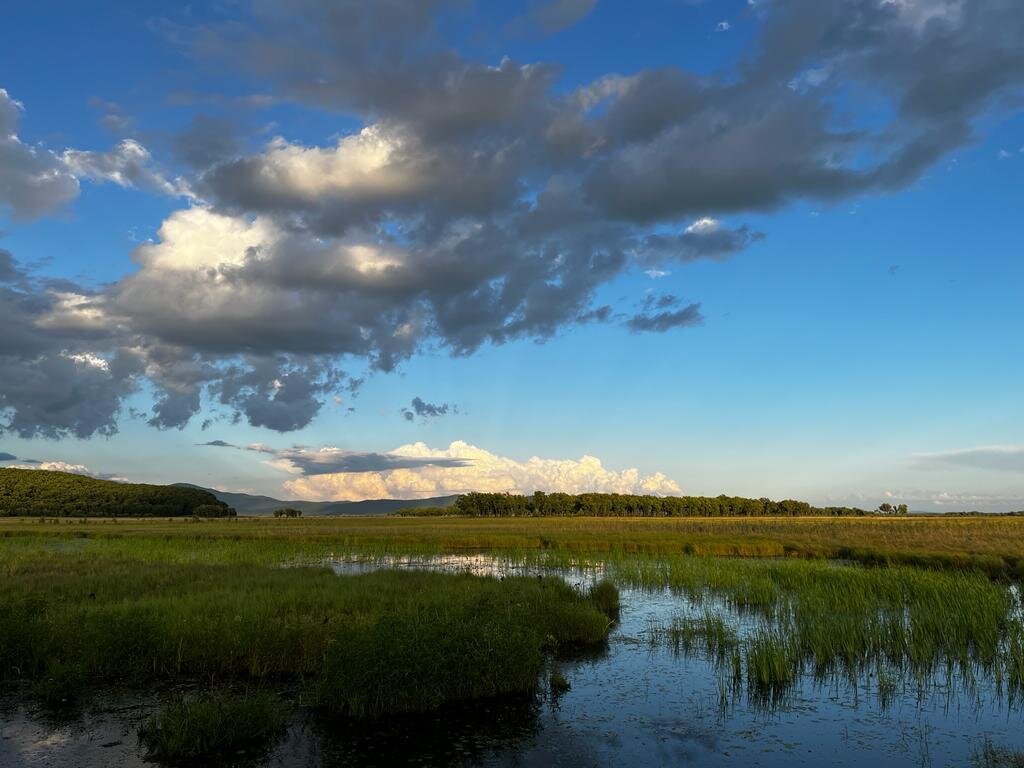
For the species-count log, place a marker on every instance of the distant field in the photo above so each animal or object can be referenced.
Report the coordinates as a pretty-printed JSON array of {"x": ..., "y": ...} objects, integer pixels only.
[{"x": 994, "y": 545}]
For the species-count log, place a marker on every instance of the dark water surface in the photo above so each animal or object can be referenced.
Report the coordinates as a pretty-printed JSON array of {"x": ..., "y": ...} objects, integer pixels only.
[{"x": 638, "y": 703}]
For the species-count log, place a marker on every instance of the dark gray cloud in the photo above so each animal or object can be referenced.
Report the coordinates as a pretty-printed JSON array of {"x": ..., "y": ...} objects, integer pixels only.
[
  {"x": 481, "y": 203},
  {"x": 7, "y": 456},
  {"x": 663, "y": 313},
  {"x": 207, "y": 141},
  {"x": 33, "y": 180},
  {"x": 704, "y": 239},
  {"x": 58, "y": 375},
  {"x": 9, "y": 271},
  {"x": 66, "y": 367},
  {"x": 423, "y": 409},
  {"x": 326, "y": 461},
  {"x": 275, "y": 393}
]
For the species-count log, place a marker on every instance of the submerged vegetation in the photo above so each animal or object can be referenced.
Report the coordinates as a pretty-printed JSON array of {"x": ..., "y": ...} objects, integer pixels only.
[
  {"x": 33, "y": 492},
  {"x": 992, "y": 756}
]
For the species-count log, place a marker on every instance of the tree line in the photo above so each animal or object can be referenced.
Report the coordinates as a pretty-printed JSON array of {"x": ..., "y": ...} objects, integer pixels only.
[
  {"x": 623, "y": 505},
  {"x": 34, "y": 492}
]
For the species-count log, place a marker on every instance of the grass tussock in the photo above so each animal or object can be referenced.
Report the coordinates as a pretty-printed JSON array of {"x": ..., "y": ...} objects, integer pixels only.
[
  {"x": 213, "y": 726},
  {"x": 842, "y": 621},
  {"x": 362, "y": 645}
]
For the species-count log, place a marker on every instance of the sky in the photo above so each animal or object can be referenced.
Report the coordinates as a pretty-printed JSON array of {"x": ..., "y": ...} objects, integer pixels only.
[{"x": 343, "y": 250}]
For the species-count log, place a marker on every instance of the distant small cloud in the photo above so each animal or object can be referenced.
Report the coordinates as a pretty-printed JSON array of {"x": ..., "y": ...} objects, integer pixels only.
[
  {"x": 599, "y": 315},
  {"x": 7, "y": 456},
  {"x": 423, "y": 409},
  {"x": 1005, "y": 154},
  {"x": 654, "y": 274},
  {"x": 997, "y": 458},
  {"x": 723, "y": 26},
  {"x": 551, "y": 17},
  {"x": 300, "y": 460},
  {"x": 662, "y": 313}
]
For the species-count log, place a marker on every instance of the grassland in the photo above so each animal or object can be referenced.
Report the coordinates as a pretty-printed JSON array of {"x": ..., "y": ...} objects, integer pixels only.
[
  {"x": 361, "y": 645},
  {"x": 121, "y": 603},
  {"x": 993, "y": 545}
]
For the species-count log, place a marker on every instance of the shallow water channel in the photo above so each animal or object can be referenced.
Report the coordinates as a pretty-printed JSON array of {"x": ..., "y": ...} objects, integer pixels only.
[{"x": 640, "y": 702}]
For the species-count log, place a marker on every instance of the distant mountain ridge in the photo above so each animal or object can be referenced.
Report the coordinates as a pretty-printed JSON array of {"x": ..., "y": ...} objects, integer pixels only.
[{"x": 250, "y": 504}]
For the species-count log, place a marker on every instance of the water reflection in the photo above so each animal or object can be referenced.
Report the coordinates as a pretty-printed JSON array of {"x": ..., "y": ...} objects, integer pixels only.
[{"x": 651, "y": 698}]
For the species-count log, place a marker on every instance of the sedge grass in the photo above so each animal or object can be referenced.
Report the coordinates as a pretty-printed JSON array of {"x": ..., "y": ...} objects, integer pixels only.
[
  {"x": 213, "y": 727},
  {"x": 371, "y": 644},
  {"x": 835, "y": 620}
]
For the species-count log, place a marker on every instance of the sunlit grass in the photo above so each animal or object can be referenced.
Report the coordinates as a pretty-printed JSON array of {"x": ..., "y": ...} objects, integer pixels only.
[
  {"x": 787, "y": 618},
  {"x": 993, "y": 545},
  {"x": 68, "y": 587},
  {"x": 383, "y": 642}
]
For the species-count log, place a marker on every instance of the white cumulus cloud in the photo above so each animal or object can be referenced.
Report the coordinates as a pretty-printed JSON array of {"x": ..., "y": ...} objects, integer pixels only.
[{"x": 478, "y": 470}]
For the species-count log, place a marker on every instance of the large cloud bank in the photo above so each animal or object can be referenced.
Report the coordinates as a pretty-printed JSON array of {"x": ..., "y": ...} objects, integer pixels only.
[
  {"x": 462, "y": 467},
  {"x": 478, "y": 202}
]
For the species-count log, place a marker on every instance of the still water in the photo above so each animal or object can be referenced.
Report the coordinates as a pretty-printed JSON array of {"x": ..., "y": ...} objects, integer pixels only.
[{"x": 636, "y": 703}]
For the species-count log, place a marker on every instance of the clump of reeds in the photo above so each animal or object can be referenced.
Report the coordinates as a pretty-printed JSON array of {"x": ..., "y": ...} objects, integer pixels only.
[
  {"x": 708, "y": 633},
  {"x": 210, "y": 726},
  {"x": 842, "y": 620}
]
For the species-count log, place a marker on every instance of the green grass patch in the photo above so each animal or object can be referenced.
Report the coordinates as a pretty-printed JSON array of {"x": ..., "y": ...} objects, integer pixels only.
[
  {"x": 992, "y": 545},
  {"x": 378, "y": 643},
  {"x": 213, "y": 726},
  {"x": 833, "y": 620}
]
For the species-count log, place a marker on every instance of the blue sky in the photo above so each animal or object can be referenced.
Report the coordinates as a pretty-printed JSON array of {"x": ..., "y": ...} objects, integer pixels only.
[{"x": 718, "y": 247}]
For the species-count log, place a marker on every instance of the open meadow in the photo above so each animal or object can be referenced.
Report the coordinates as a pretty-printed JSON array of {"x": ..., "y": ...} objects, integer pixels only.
[
  {"x": 239, "y": 624},
  {"x": 993, "y": 544}
]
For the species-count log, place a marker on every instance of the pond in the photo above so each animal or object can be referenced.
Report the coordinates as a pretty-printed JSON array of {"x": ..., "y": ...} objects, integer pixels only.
[{"x": 651, "y": 698}]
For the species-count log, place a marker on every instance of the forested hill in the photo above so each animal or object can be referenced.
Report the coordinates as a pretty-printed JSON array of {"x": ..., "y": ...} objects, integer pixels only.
[
  {"x": 249, "y": 504},
  {"x": 61, "y": 494},
  {"x": 615, "y": 505}
]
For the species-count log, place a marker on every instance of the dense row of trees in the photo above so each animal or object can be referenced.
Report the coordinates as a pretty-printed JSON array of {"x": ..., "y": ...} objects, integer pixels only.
[
  {"x": 620, "y": 505},
  {"x": 60, "y": 494},
  {"x": 287, "y": 512},
  {"x": 892, "y": 509}
]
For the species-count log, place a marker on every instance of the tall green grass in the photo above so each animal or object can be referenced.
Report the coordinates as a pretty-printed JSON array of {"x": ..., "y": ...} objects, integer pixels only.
[
  {"x": 831, "y": 620},
  {"x": 362, "y": 645},
  {"x": 213, "y": 728}
]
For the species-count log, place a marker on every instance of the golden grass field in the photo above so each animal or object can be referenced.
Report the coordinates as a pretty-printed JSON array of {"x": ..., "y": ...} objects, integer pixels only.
[{"x": 994, "y": 544}]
